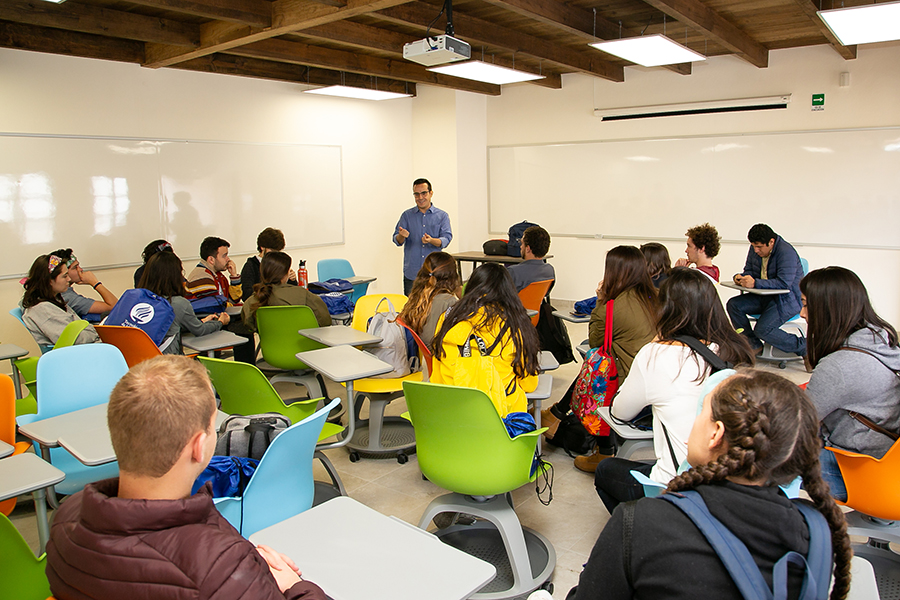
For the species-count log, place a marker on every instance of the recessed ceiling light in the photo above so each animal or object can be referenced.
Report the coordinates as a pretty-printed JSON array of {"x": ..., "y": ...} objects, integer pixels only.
[
  {"x": 864, "y": 24},
  {"x": 346, "y": 91},
  {"x": 485, "y": 72},
  {"x": 649, "y": 50}
]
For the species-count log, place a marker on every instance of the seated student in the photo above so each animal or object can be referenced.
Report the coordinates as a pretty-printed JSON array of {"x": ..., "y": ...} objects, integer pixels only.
[
  {"x": 268, "y": 240},
  {"x": 702, "y": 246},
  {"x": 435, "y": 289},
  {"x": 668, "y": 375},
  {"x": 658, "y": 262},
  {"x": 164, "y": 276},
  {"x": 81, "y": 305},
  {"x": 149, "y": 250},
  {"x": 534, "y": 246},
  {"x": 45, "y": 312},
  {"x": 772, "y": 263},
  {"x": 207, "y": 278},
  {"x": 855, "y": 357},
  {"x": 491, "y": 310},
  {"x": 143, "y": 535},
  {"x": 273, "y": 290},
  {"x": 757, "y": 431}
]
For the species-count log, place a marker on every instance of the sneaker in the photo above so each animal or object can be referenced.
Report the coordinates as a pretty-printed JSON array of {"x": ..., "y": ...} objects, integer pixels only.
[
  {"x": 549, "y": 420},
  {"x": 589, "y": 463}
]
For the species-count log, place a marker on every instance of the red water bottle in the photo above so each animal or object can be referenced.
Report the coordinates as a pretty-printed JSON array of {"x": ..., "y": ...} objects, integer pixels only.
[{"x": 302, "y": 275}]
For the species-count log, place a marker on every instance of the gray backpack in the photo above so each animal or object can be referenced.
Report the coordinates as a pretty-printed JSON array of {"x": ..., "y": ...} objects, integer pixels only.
[{"x": 249, "y": 436}]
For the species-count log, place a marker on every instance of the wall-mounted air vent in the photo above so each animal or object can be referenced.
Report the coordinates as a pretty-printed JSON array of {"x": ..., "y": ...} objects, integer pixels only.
[{"x": 693, "y": 108}]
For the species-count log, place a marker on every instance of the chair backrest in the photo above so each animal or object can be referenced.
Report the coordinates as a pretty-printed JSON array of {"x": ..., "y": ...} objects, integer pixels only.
[
  {"x": 425, "y": 351},
  {"x": 462, "y": 444},
  {"x": 365, "y": 308},
  {"x": 282, "y": 485},
  {"x": 244, "y": 390},
  {"x": 8, "y": 429},
  {"x": 805, "y": 265},
  {"x": 70, "y": 333},
  {"x": 330, "y": 268},
  {"x": 532, "y": 296},
  {"x": 278, "y": 337},
  {"x": 21, "y": 572},
  {"x": 17, "y": 313},
  {"x": 134, "y": 343},
  {"x": 77, "y": 377},
  {"x": 873, "y": 487}
]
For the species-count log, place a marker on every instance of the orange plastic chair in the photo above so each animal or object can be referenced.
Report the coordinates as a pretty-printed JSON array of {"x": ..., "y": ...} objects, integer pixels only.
[
  {"x": 8, "y": 429},
  {"x": 533, "y": 295},
  {"x": 872, "y": 484},
  {"x": 135, "y": 345},
  {"x": 427, "y": 357}
]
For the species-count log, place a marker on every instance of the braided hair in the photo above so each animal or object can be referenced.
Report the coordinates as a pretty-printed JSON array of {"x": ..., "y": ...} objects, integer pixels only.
[{"x": 771, "y": 435}]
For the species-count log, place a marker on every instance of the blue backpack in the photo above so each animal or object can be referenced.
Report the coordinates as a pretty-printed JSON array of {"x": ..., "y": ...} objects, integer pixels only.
[
  {"x": 742, "y": 567},
  {"x": 145, "y": 310},
  {"x": 515, "y": 237}
]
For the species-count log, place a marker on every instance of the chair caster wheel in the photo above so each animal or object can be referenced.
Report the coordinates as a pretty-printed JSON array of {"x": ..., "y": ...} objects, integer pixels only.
[
  {"x": 782, "y": 364},
  {"x": 354, "y": 457},
  {"x": 402, "y": 458},
  {"x": 547, "y": 585}
]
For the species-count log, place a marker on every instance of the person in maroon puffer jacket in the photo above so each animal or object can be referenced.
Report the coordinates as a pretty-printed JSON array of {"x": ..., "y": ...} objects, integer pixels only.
[{"x": 143, "y": 535}]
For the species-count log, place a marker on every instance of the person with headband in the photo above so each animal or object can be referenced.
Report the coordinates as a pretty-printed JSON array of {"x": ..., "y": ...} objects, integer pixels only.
[
  {"x": 45, "y": 313},
  {"x": 77, "y": 276},
  {"x": 149, "y": 250},
  {"x": 434, "y": 291}
]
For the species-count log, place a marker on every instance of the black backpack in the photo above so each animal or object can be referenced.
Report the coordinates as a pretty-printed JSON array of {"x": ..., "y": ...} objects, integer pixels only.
[
  {"x": 515, "y": 237},
  {"x": 249, "y": 436},
  {"x": 553, "y": 335}
]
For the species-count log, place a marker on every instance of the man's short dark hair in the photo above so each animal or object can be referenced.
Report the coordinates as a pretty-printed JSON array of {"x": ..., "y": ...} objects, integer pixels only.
[
  {"x": 706, "y": 237},
  {"x": 761, "y": 234},
  {"x": 422, "y": 180},
  {"x": 270, "y": 238},
  {"x": 210, "y": 247},
  {"x": 538, "y": 240}
]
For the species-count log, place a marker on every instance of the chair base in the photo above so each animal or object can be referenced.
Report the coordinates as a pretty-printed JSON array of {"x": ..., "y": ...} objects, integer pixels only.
[
  {"x": 387, "y": 438},
  {"x": 524, "y": 559},
  {"x": 886, "y": 565}
]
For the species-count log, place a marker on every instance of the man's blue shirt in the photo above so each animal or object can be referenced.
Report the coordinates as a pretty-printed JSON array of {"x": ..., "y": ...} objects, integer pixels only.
[{"x": 435, "y": 223}]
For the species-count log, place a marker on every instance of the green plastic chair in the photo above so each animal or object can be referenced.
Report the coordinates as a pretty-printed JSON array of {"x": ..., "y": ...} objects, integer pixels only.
[
  {"x": 21, "y": 572},
  {"x": 280, "y": 343},
  {"x": 244, "y": 390},
  {"x": 463, "y": 446}
]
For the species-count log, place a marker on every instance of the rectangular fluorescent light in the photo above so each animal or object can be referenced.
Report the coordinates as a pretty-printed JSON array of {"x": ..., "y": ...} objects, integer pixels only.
[
  {"x": 346, "y": 91},
  {"x": 55, "y": 1},
  {"x": 649, "y": 50},
  {"x": 485, "y": 72},
  {"x": 864, "y": 24}
]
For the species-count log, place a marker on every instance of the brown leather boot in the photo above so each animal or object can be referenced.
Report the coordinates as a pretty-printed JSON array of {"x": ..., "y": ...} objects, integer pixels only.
[
  {"x": 589, "y": 463},
  {"x": 549, "y": 420}
]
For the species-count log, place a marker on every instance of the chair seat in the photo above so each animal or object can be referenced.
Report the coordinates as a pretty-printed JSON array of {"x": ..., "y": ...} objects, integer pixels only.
[{"x": 373, "y": 385}]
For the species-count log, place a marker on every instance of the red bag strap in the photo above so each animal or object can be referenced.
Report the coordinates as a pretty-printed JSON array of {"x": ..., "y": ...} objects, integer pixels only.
[{"x": 608, "y": 330}]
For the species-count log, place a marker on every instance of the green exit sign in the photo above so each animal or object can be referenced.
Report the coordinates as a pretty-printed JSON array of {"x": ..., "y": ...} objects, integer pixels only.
[{"x": 818, "y": 101}]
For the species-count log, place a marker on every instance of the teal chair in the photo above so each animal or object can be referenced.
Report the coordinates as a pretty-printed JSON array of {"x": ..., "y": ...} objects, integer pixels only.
[
  {"x": 280, "y": 343},
  {"x": 331, "y": 268},
  {"x": 282, "y": 485},
  {"x": 244, "y": 390},
  {"x": 463, "y": 446},
  {"x": 69, "y": 379},
  {"x": 21, "y": 572}
]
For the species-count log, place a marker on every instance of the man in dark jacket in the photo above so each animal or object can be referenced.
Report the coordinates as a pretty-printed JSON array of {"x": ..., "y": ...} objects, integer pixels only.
[
  {"x": 772, "y": 264},
  {"x": 143, "y": 535}
]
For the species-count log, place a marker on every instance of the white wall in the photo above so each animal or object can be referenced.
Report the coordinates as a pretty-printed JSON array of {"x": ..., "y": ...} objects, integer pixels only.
[{"x": 532, "y": 115}]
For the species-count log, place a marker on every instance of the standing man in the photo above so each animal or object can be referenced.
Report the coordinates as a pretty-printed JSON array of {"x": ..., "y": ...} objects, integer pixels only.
[
  {"x": 421, "y": 230},
  {"x": 702, "y": 246},
  {"x": 771, "y": 264}
]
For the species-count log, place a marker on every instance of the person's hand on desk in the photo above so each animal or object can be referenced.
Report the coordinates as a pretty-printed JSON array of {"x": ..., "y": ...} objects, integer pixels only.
[
  {"x": 223, "y": 317},
  {"x": 283, "y": 569},
  {"x": 427, "y": 239},
  {"x": 745, "y": 281}
]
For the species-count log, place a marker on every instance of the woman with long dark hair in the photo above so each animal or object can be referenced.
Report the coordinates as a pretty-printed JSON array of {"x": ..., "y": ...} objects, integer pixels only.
[
  {"x": 164, "y": 276},
  {"x": 149, "y": 250},
  {"x": 658, "y": 262},
  {"x": 626, "y": 282},
  {"x": 756, "y": 431},
  {"x": 274, "y": 290},
  {"x": 45, "y": 312},
  {"x": 668, "y": 375},
  {"x": 855, "y": 358},
  {"x": 491, "y": 310},
  {"x": 435, "y": 289}
]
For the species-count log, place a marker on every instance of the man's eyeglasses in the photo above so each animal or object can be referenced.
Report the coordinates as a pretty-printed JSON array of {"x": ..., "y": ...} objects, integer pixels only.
[{"x": 420, "y": 194}]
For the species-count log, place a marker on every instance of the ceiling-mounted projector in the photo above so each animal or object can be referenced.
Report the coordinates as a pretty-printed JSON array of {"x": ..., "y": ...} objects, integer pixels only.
[{"x": 438, "y": 50}]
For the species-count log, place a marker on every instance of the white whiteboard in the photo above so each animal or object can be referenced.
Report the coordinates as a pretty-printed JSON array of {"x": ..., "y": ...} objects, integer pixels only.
[
  {"x": 107, "y": 198},
  {"x": 825, "y": 188}
]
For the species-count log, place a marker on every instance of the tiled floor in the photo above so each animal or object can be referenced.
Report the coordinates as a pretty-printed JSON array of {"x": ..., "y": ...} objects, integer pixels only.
[{"x": 572, "y": 521}]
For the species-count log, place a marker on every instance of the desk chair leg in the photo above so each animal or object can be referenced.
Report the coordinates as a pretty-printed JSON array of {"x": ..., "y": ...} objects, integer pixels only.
[
  {"x": 43, "y": 524},
  {"x": 376, "y": 420},
  {"x": 332, "y": 472},
  {"x": 537, "y": 422},
  {"x": 17, "y": 380},
  {"x": 51, "y": 491}
]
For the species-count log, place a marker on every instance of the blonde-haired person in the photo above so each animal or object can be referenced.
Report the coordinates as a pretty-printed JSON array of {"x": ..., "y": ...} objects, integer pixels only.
[
  {"x": 756, "y": 431},
  {"x": 144, "y": 530},
  {"x": 435, "y": 289},
  {"x": 274, "y": 290}
]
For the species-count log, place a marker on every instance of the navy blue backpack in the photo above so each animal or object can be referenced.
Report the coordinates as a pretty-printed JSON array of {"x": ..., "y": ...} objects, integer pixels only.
[
  {"x": 515, "y": 237},
  {"x": 145, "y": 310}
]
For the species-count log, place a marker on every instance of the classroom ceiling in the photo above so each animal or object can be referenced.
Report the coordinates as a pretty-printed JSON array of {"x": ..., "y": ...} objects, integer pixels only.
[{"x": 360, "y": 42}]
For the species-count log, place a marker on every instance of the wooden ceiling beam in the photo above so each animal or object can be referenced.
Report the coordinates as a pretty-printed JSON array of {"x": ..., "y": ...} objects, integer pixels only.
[
  {"x": 419, "y": 14},
  {"x": 257, "y": 13},
  {"x": 811, "y": 8},
  {"x": 86, "y": 18},
  {"x": 716, "y": 27},
  {"x": 72, "y": 43},
  {"x": 351, "y": 62},
  {"x": 287, "y": 16}
]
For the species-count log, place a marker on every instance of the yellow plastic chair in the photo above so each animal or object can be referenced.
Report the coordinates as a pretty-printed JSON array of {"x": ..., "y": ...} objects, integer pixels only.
[
  {"x": 134, "y": 343},
  {"x": 8, "y": 429},
  {"x": 21, "y": 572},
  {"x": 533, "y": 295},
  {"x": 380, "y": 436}
]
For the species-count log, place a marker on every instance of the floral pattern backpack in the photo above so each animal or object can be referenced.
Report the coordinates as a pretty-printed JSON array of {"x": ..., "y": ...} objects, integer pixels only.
[{"x": 597, "y": 382}]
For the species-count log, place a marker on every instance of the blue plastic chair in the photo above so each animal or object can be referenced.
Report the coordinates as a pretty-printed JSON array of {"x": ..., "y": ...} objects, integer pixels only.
[
  {"x": 17, "y": 313},
  {"x": 282, "y": 485},
  {"x": 331, "y": 268},
  {"x": 98, "y": 367}
]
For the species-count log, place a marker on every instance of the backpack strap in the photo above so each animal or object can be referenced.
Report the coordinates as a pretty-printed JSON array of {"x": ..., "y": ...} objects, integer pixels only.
[
  {"x": 715, "y": 363},
  {"x": 819, "y": 556},
  {"x": 675, "y": 464},
  {"x": 627, "y": 530},
  {"x": 608, "y": 328}
]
